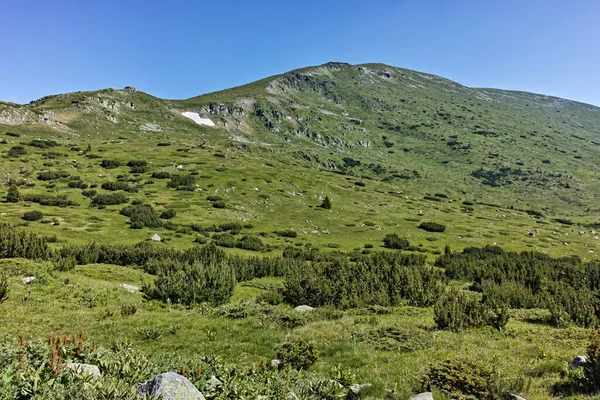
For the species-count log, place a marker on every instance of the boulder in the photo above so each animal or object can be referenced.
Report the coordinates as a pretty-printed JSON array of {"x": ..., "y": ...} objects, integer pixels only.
[
  {"x": 170, "y": 386},
  {"x": 213, "y": 383},
  {"x": 155, "y": 238},
  {"x": 275, "y": 363},
  {"x": 85, "y": 370},
  {"x": 304, "y": 308},
  {"x": 130, "y": 288},
  {"x": 27, "y": 280},
  {"x": 512, "y": 396},
  {"x": 357, "y": 389},
  {"x": 423, "y": 396},
  {"x": 578, "y": 361}
]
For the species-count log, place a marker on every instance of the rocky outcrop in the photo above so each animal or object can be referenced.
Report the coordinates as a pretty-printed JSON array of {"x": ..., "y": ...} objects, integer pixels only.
[{"x": 170, "y": 386}]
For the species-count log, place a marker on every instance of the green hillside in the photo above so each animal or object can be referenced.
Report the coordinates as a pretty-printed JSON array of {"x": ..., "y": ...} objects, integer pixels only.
[{"x": 364, "y": 190}]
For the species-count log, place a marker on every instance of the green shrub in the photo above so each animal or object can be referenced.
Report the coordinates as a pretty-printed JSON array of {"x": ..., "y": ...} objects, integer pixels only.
[
  {"x": 89, "y": 193},
  {"x": 17, "y": 151},
  {"x": 136, "y": 163},
  {"x": 287, "y": 233},
  {"x": 64, "y": 263},
  {"x": 168, "y": 214},
  {"x": 109, "y": 199},
  {"x": 461, "y": 378},
  {"x": 214, "y": 198},
  {"x": 298, "y": 353},
  {"x": 128, "y": 309},
  {"x": 51, "y": 175},
  {"x": 270, "y": 297},
  {"x": 119, "y": 185},
  {"x": 326, "y": 204},
  {"x": 3, "y": 287},
  {"x": 206, "y": 278},
  {"x": 219, "y": 204},
  {"x": 182, "y": 182},
  {"x": 432, "y": 227},
  {"x": 48, "y": 200},
  {"x": 33, "y": 215},
  {"x": 110, "y": 164},
  {"x": 393, "y": 241},
  {"x": 224, "y": 240},
  {"x": 253, "y": 243},
  {"x": 13, "y": 195},
  {"x": 142, "y": 214},
  {"x": 457, "y": 310},
  {"x": 231, "y": 226},
  {"x": 77, "y": 184},
  {"x": 161, "y": 175}
]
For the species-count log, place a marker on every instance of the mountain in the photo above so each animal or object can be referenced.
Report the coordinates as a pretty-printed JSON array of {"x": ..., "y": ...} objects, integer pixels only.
[{"x": 390, "y": 146}]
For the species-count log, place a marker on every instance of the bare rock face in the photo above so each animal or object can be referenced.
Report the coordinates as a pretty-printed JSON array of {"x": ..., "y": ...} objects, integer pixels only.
[{"x": 170, "y": 386}]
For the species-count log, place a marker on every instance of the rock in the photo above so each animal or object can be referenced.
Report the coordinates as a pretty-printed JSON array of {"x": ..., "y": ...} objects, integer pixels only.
[
  {"x": 423, "y": 396},
  {"x": 578, "y": 361},
  {"x": 581, "y": 232},
  {"x": 170, "y": 386},
  {"x": 85, "y": 370},
  {"x": 130, "y": 288},
  {"x": 531, "y": 234},
  {"x": 27, "y": 280},
  {"x": 155, "y": 238},
  {"x": 275, "y": 363},
  {"x": 512, "y": 396},
  {"x": 304, "y": 308},
  {"x": 213, "y": 383},
  {"x": 358, "y": 389},
  {"x": 151, "y": 128}
]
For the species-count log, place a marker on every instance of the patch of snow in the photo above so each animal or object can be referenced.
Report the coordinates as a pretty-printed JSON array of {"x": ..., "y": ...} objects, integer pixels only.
[{"x": 197, "y": 118}]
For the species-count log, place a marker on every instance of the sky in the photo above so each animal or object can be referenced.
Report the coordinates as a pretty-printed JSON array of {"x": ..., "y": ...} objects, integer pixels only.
[{"x": 179, "y": 49}]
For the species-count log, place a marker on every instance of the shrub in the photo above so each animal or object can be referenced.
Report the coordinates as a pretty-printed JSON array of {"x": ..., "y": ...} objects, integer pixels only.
[
  {"x": 224, "y": 240},
  {"x": 3, "y": 287},
  {"x": 64, "y": 263},
  {"x": 457, "y": 310},
  {"x": 161, "y": 175},
  {"x": 109, "y": 199},
  {"x": 461, "y": 378},
  {"x": 33, "y": 216},
  {"x": 219, "y": 204},
  {"x": 208, "y": 278},
  {"x": 17, "y": 151},
  {"x": 119, "y": 185},
  {"x": 270, "y": 297},
  {"x": 48, "y": 176},
  {"x": 185, "y": 182},
  {"x": 128, "y": 309},
  {"x": 42, "y": 144},
  {"x": 432, "y": 227},
  {"x": 110, "y": 164},
  {"x": 214, "y": 198},
  {"x": 287, "y": 233},
  {"x": 298, "y": 353},
  {"x": 13, "y": 134},
  {"x": 89, "y": 193},
  {"x": 168, "y": 214},
  {"x": 77, "y": 184},
  {"x": 393, "y": 241},
  {"x": 253, "y": 243},
  {"x": 13, "y": 195},
  {"x": 326, "y": 204},
  {"x": 136, "y": 163},
  {"x": 143, "y": 215}
]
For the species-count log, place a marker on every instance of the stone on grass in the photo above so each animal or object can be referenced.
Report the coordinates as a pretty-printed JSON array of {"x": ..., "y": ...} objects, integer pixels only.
[
  {"x": 130, "y": 288},
  {"x": 85, "y": 370},
  {"x": 304, "y": 308},
  {"x": 170, "y": 386},
  {"x": 27, "y": 280},
  {"x": 275, "y": 363},
  {"x": 155, "y": 238},
  {"x": 423, "y": 396},
  {"x": 213, "y": 383},
  {"x": 578, "y": 361},
  {"x": 358, "y": 389},
  {"x": 512, "y": 396}
]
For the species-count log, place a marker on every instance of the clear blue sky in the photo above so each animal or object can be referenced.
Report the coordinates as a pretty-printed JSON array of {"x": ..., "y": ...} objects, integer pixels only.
[{"x": 180, "y": 49}]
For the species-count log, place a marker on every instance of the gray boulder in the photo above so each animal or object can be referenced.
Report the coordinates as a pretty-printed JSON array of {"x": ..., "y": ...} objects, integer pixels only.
[
  {"x": 130, "y": 288},
  {"x": 85, "y": 370},
  {"x": 275, "y": 363},
  {"x": 423, "y": 396},
  {"x": 304, "y": 308},
  {"x": 578, "y": 361},
  {"x": 511, "y": 396},
  {"x": 27, "y": 280},
  {"x": 357, "y": 389},
  {"x": 170, "y": 386}
]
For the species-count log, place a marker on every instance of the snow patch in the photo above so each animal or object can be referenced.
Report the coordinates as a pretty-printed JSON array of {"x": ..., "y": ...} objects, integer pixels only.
[{"x": 197, "y": 118}]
